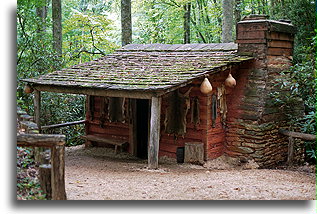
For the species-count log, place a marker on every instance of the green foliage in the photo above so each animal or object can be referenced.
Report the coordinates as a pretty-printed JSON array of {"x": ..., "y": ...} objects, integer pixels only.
[
  {"x": 302, "y": 86},
  {"x": 35, "y": 55},
  {"x": 86, "y": 36},
  {"x": 28, "y": 187},
  {"x": 162, "y": 21},
  {"x": 61, "y": 108}
]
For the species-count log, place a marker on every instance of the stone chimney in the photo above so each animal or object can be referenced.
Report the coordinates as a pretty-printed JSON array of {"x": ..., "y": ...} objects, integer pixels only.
[
  {"x": 271, "y": 42},
  {"x": 254, "y": 121}
]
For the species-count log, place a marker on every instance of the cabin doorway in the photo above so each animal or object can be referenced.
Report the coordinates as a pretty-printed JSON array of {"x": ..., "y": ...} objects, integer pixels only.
[{"x": 142, "y": 127}]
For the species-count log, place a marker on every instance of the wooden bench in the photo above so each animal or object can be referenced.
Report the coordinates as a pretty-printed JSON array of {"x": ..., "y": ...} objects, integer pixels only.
[{"x": 115, "y": 142}]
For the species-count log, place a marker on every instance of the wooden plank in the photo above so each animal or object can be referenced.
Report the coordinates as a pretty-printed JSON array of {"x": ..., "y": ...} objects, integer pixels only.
[
  {"x": 58, "y": 173},
  {"x": 153, "y": 148},
  {"x": 280, "y": 36},
  {"x": 64, "y": 124},
  {"x": 280, "y": 44},
  {"x": 104, "y": 140},
  {"x": 96, "y": 91},
  {"x": 280, "y": 51},
  {"x": 194, "y": 152},
  {"x": 40, "y": 140},
  {"x": 37, "y": 108},
  {"x": 300, "y": 135}
]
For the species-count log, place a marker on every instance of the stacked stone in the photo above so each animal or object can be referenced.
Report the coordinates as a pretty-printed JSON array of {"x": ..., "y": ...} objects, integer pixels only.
[
  {"x": 254, "y": 121},
  {"x": 26, "y": 122}
]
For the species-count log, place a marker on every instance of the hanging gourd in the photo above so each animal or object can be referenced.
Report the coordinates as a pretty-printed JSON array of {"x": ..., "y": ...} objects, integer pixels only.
[
  {"x": 28, "y": 89},
  {"x": 205, "y": 86},
  {"x": 230, "y": 81}
]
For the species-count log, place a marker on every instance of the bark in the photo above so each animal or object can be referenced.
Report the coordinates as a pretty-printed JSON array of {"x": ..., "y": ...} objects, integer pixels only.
[
  {"x": 187, "y": 23},
  {"x": 57, "y": 26},
  {"x": 41, "y": 12},
  {"x": 227, "y": 20},
  {"x": 126, "y": 22}
]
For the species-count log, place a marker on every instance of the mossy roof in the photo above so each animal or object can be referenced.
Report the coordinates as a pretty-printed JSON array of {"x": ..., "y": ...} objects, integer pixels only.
[{"x": 146, "y": 67}]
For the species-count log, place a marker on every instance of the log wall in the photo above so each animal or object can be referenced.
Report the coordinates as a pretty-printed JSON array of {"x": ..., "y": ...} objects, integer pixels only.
[{"x": 111, "y": 130}]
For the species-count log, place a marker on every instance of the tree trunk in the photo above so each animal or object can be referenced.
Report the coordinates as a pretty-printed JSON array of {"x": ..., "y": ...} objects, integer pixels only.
[
  {"x": 57, "y": 26},
  {"x": 227, "y": 20},
  {"x": 126, "y": 22},
  {"x": 187, "y": 23},
  {"x": 41, "y": 12}
]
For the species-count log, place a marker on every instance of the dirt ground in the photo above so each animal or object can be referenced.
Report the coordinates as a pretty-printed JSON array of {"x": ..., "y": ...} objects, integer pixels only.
[{"x": 99, "y": 174}]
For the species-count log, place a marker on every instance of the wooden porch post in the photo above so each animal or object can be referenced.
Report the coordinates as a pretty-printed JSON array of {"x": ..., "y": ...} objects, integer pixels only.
[
  {"x": 37, "y": 108},
  {"x": 154, "y": 140}
]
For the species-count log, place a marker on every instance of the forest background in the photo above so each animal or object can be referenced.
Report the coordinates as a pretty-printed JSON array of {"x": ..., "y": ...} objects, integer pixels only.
[{"x": 92, "y": 28}]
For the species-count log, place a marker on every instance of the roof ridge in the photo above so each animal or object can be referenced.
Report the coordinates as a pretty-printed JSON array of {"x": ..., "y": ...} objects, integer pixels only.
[{"x": 195, "y": 47}]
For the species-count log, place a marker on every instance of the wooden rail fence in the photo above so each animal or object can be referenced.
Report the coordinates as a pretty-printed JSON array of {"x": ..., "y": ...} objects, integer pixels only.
[
  {"x": 291, "y": 135},
  {"x": 57, "y": 145}
]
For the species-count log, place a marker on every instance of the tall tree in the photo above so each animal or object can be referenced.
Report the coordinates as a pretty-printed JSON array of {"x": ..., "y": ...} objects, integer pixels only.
[
  {"x": 187, "y": 7},
  {"x": 57, "y": 26},
  {"x": 126, "y": 22},
  {"x": 41, "y": 12},
  {"x": 227, "y": 20}
]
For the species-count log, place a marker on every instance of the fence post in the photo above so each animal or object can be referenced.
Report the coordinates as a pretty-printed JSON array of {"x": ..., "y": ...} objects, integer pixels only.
[
  {"x": 290, "y": 155},
  {"x": 58, "y": 172}
]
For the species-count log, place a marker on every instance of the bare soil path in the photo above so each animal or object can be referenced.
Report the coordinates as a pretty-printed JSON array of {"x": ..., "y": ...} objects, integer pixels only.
[{"x": 99, "y": 174}]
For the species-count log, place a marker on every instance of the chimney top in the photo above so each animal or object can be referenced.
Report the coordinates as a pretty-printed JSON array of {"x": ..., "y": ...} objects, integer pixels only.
[{"x": 255, "y": 17}]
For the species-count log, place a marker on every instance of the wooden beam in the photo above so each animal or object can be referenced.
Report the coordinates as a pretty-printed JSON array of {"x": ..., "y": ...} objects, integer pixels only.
[
  {"x": 63, "y": 124},
  {"x": 153, "y": 148},
  {"x": 40, "y": 140},
  {"x": 37, "y": 108},
  {"x": 300, "y": 135},
  {"x": 57, "y": 145},
  {"x": 96, "y": 91}
]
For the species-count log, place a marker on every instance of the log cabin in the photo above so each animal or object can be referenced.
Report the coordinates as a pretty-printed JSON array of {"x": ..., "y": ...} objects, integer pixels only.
[{"x": 148, "y": 98}]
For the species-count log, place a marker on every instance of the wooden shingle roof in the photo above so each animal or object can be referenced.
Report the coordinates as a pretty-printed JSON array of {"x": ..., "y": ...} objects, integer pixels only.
[{"x": 155, "y": 68}]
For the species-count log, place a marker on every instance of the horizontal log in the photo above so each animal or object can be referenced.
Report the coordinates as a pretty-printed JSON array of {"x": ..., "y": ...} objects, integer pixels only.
[
  {"x": 63, "y": 124},
  {"x": 101, "y": 139},
  {"x": 300, "y": 135},
  {"x": 40, "y": 140},
  {"x": 145, "y": 94}
]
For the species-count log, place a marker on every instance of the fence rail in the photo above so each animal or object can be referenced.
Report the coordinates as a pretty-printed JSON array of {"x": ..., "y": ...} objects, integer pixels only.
[
  {"x": 300, "y": 135},
  {"x": 57, "y": 145},
  {"x": 291, "y": 135}
]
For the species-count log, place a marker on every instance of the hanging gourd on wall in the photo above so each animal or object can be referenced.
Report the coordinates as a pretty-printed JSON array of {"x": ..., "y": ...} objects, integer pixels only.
[
  {"x": 230, "y": 81},
  {"x": 28, "y": 89},
  {"x": 205, "y": 86}
]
